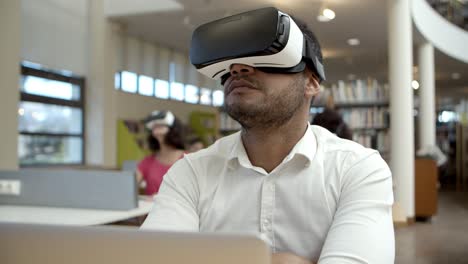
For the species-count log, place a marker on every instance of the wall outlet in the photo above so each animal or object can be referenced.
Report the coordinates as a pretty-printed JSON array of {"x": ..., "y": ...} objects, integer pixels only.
[{"x": 10, "y": 187}]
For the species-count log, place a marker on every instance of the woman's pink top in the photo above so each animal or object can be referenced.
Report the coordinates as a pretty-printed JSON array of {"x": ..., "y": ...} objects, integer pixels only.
[{"x": 153, "y": 172}]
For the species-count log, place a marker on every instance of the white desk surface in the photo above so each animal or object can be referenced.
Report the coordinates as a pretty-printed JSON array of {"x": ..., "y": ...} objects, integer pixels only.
[{"x": 70, "y": 216}]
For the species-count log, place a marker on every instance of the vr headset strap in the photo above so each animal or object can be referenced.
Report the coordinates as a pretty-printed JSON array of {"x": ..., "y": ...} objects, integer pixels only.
[{"x": 308, "y": 54}]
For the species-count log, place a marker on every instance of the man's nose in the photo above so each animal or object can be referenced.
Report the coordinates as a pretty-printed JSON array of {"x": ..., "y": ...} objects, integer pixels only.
[{"x": 241, "y": 69}]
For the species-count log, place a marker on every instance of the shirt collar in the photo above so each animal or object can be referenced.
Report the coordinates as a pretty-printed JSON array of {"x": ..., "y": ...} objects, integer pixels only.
[
  {"x": 239, "y": 153},
  {"x": 306, "y": 147}
]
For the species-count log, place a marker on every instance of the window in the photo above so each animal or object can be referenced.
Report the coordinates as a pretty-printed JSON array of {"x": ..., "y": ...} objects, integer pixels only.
[
  {"x": 50, "y": 118},
  {"x": 205, "y": 96},
  {"x": 162, "y": 89},
  {"x": 145, "y": 85},
  {"x": 177, "y": 91},
  {"x": 447, "y": 117},
  {"x": 218, "y": 98},
  {"x": 49, "y": 88},
  {"x": 191, "y": 94},
  {"x": 117, "y": 81},
  {"x": 129, "y": 82}
]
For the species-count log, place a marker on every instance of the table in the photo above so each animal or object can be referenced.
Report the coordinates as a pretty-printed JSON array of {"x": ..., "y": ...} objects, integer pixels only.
[{"x": 71, "y": 216}]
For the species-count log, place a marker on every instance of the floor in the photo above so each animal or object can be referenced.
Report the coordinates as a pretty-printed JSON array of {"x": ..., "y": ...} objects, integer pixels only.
[{"x": 442, "y": 240}]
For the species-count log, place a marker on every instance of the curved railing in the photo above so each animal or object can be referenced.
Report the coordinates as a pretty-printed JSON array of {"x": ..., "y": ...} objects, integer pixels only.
[
  {"x": 455, "y": 11},
  {"x": 445, "y": 36}
]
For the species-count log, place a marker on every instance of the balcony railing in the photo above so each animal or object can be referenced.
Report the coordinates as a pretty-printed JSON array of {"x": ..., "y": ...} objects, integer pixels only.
[{"x": 456, "y": 11}]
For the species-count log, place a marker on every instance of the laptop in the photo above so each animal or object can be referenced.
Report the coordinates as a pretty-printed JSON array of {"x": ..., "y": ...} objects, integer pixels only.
[{"x": 21, "y": 244}]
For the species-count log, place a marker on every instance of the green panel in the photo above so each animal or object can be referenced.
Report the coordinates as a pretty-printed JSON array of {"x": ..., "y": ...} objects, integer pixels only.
[
  {"x": 127, "y": 144},
  {"x": 205, "y": 126}
]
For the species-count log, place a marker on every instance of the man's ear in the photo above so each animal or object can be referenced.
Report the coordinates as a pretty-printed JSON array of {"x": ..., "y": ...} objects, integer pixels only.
[{"x": 312, "y": 85}]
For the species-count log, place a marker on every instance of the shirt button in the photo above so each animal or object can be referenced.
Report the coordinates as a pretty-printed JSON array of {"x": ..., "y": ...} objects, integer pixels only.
[
  {"x": 266, "y": 225},
  {"x": 271, "y": 186}
]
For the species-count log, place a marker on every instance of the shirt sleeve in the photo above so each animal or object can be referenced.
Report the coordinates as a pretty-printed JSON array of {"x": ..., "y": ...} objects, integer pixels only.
[
  {"x": 362, "y": 228},
  {"x": 176, "y": 204}
]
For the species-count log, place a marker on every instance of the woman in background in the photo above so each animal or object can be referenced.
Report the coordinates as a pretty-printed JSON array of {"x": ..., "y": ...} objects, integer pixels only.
[{"x": 166, "y": 143}]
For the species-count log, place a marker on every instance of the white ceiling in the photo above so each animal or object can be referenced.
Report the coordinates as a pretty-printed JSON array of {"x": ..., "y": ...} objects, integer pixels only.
[{"x": 363, "y": 19}]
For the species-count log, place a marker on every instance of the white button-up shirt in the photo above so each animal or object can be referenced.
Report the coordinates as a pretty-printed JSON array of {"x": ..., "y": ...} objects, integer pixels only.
[{"x": 330, "y": 199}]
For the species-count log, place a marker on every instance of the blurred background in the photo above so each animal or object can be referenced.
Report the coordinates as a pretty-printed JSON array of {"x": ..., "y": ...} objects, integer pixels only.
[{"x": 77, "y": 78}]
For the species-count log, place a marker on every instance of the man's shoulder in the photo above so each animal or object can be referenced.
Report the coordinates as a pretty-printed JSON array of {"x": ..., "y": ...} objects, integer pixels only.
[
  {"x": 348, "y": 156},
  {"x": 331, "y": 145}
]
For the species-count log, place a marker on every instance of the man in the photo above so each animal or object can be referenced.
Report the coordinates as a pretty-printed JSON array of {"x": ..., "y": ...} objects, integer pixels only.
[{"x": 312, "y": 196}]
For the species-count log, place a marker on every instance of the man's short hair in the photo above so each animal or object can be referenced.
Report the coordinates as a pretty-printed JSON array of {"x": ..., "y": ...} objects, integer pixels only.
[{"x": 312, "y": 39}]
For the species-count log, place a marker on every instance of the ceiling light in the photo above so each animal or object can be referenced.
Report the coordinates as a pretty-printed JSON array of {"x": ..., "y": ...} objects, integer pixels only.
[
  {"x": 186, "y": 20},
  {"x": 326, "y": 14},
  {"x": 21, "y": 111},
  {"x": 415, "y": 84},
  {"x": 354, "y": 41},
  {"x": 456, "y": 75},
  {"x": 321, "y": 18}
]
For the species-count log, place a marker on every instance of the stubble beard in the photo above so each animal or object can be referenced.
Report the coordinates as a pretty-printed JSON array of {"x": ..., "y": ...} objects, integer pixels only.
[{"x": 274, "y": 111}]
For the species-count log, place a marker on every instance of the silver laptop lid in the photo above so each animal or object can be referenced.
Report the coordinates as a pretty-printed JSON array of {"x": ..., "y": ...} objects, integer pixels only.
[{"x": 21, "y": 244}]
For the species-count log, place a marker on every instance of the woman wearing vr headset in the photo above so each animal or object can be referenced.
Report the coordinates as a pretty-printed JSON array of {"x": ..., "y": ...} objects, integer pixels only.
[
  {"x": 313, "y": 197},
  {"x": 166, "y": 143}
]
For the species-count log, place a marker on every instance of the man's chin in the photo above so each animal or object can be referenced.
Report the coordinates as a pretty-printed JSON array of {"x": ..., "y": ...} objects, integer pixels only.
[{"x": 240, "y": 109}]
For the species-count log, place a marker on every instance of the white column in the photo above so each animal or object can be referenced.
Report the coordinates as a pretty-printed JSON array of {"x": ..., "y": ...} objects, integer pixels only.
[
  {"x": 101, "y": 124},
  {"x": 401, "y": 103},
  {"x": 427, "y": 121},
  {"x": 10, "y": 26}
]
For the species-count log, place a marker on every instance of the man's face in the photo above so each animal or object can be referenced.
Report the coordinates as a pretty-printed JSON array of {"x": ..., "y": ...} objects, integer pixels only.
[{"x": 256, "y": 98}]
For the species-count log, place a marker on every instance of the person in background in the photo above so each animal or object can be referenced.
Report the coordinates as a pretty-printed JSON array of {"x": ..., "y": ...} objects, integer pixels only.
[
  {"x": 333, "y": 122},
  {"x": 194, "y": 144},
  {"x": 167, "y": 146}
]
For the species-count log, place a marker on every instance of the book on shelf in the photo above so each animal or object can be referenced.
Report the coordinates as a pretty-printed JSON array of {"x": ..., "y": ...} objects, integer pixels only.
[
  {"x": 363, "y": 105},
  {"x": 359, "y": 118},
  {"x": 359, "y": 91},
  {"x": 378, "y": 140}
]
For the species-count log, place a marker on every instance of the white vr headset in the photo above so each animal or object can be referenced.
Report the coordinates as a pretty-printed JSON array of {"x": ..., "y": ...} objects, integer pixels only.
[
  {"x": 159, "y": 118},
  {"x": 267, "y": 39}
]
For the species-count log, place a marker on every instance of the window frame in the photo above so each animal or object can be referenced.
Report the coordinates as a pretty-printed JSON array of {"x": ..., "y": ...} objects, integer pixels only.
[{"x": 25, "y": 97}]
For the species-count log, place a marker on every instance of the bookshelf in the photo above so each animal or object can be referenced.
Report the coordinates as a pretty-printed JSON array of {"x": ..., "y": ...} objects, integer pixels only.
[
  {"x": 364, "y": 107},
  {"x": 367, "y": 92}
]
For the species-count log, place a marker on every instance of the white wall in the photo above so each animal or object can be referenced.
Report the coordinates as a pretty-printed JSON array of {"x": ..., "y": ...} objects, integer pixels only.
[
  {"x": 100, "y": 94},
  {"x": 75, "y": 36},
  {"x": 134, "y": 106},
  {"x": 9, "y": 75},
  {"x": 55, "y": 33}
]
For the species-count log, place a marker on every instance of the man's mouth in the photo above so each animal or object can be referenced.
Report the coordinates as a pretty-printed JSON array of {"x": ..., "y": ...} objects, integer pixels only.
[{"x": 240, "y": 85}]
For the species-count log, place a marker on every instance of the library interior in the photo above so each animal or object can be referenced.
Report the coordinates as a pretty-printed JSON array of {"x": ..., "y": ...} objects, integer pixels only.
[{"x": 103, "y": 102}]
